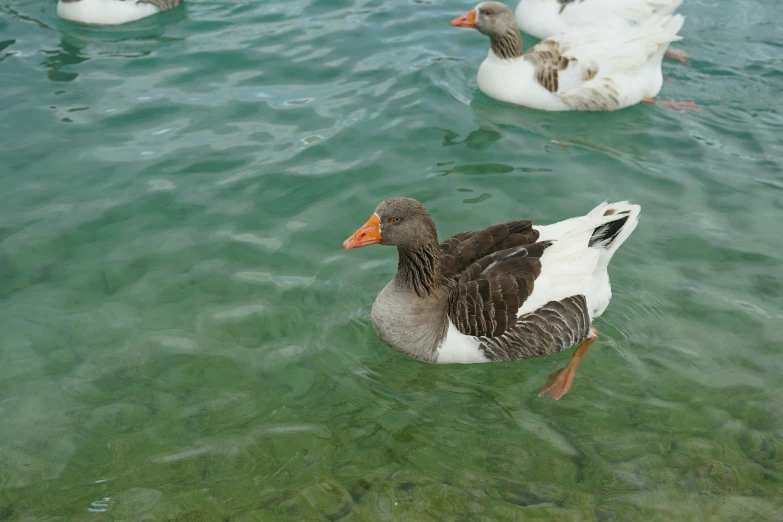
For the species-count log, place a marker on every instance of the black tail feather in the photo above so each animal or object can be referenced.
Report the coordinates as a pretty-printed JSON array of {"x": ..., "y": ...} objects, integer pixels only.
[{"x": 607, "y": 233}]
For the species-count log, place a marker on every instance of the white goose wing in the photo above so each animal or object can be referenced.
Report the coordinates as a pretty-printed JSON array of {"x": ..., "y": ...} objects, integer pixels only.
[
  {"x": 624, "y": 49},
  {"x": 613, "y": 12},
  {"x": 572, "y": 79},
  {"x": 589, "y": 69}
]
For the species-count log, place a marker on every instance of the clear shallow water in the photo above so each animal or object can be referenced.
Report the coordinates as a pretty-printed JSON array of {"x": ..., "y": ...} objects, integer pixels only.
[{"x": 180, "y": 331}]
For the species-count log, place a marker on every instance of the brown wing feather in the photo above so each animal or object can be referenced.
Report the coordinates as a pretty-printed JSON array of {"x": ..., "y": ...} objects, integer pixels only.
[
  {"x": 554, "y": 327},
  {"x": 484, "y": 301},
  {"x": 461, "y": 250},
  {"x": 548, "y": 62}
]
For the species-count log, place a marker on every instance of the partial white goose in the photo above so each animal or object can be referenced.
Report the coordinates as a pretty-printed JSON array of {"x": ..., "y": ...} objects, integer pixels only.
[
  {"x": 511, "y": 291},
  {"x": 111, "y": 12},
  {"x": 547, "y": 18},
  {"x": 588, "y": 70}
]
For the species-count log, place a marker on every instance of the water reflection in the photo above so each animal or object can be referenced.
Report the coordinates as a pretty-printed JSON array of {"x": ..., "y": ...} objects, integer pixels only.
[
  {"x": 600, "y": 131},
  {"x": 67, "y": 54},
  {"x": 5, "y": 44},
  {"x": 79, "y": 43},
  {"x": 479, "y": 169},
  {"x": 479, "y": 139}
]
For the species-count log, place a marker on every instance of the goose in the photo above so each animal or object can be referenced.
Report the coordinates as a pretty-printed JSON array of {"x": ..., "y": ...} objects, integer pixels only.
[
  {"x": 589, "y": 70},
  {"x": 111, "y": 12},
  {"x": 511, "y": 291},
  {"x": 547, "y": 18}
]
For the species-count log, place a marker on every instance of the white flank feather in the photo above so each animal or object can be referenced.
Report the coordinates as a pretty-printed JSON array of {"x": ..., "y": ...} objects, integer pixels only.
[{"x": 571, "y": 267}]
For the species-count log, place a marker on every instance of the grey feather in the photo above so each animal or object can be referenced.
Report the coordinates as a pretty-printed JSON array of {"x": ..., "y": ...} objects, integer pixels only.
[{"x": 554, "y": 327}]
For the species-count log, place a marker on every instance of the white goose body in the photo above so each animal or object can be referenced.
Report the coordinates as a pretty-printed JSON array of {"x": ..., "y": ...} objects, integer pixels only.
[
  {"x": 569, "y": 267},
  {"x": 594, "y": 69},
  {"x": 604, "y": 70},
  {"x": 110, "y": 12},
  {"x": 514, "y": 81},
  {"x": 547, "y": 18}
]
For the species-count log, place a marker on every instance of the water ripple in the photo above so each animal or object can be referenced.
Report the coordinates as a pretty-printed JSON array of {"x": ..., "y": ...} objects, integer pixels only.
[{"x": 177, "y": 316}]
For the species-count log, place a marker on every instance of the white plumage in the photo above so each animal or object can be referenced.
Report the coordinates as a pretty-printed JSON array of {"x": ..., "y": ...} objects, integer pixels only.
[
  {"x": 606, "y": 69},
  {"x": 109, "y": 12},
  {"x": 569, "y": 267},
  {"x": 547, "y": 18}
]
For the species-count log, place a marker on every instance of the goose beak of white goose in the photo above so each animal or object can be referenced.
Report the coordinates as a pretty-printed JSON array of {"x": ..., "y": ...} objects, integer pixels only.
[
  {"x": 467, "y": 20},
  {"x": 369, "y": 234}
]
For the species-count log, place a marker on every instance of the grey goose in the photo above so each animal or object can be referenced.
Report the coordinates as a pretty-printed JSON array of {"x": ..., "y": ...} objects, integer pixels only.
[{"x": 511, "y": 291}]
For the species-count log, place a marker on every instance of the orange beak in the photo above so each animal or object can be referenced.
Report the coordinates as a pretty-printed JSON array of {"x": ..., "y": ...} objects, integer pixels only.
[
  {"x": 369, "y": 234},
  {"x": 467, "y": 20}
]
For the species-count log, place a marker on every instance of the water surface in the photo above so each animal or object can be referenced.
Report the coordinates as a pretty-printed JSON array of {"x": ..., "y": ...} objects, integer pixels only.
[{"x": 181, "y": 333}]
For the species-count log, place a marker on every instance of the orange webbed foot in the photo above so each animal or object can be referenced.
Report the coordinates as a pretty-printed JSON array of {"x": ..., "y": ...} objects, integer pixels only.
[
  {"x": 676, "y": 105},
  {"x": 678, "y": 55},
  {"x": 558, "y": 383}
]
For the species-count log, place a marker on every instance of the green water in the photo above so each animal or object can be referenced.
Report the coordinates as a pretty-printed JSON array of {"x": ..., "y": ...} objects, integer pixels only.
[{"x": 181, "y": 332}]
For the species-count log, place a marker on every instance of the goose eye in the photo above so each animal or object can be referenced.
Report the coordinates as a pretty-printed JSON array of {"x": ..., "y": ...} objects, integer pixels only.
[
  {"x": 486, "y": 12},
  {"x": 394, "y": 220}
]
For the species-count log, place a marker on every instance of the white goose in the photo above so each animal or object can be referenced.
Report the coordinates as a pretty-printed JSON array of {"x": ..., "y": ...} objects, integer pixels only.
[
  {"x": 111, "y": 12},
  {"x": 588, "y": 70},
  {"x": 547, "y": 18},
  {"x": 512, "y": 291}
]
